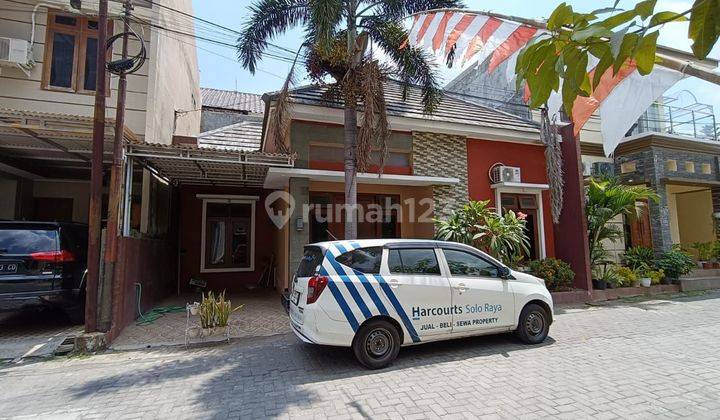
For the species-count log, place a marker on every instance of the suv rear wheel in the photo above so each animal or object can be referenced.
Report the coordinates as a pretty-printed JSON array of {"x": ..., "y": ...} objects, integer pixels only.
[
  {"x": 376, "y": 344},
  {"x": 534, "y": 324}
]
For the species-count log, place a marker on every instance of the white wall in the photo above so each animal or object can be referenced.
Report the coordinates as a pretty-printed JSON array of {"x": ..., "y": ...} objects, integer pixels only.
[{"x": 174, "y": 80}]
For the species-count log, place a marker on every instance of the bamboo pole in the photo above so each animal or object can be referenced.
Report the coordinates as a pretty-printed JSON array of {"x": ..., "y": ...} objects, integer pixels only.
[{"x": 686, "y": 67}]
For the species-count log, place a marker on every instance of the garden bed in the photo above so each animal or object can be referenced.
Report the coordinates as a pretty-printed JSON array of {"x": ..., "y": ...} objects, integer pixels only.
[
  {"x": 583, "y": 296},
  {"x": 611, "y": 294}
]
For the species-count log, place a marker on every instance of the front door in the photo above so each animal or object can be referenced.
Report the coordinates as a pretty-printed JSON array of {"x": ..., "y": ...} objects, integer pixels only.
[
  {"x": 485, "y": 300},
  {"x": 423, "y": 293},
  {"x": 528, "y": 205}
]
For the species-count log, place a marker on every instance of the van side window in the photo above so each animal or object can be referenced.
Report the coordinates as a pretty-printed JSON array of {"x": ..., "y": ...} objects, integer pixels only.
[
  {"x": 365, "y": 260},
  {"x": 463, "y": 263},
  {"x": 413, "y": 261}
]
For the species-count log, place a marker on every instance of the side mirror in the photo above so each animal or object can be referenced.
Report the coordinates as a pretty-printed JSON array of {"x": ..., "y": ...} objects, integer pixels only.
[{"x": 504, "y": 272}]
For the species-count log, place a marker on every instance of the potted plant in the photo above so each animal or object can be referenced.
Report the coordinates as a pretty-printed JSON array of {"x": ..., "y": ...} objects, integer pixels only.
[
  {"x": 716, "y": 254},
  {"x": 644, "y": 275},
  {"x": 605, "y": 275},
  {"x": 214, "y": 311},
  {"x": 675, "y": 263},
  {"x": 706, "y": 252}
]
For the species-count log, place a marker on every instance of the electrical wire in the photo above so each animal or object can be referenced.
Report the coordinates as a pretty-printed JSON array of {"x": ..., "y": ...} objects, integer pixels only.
[
  {"x": 162, "y": 33},
  {"x": 120, "y": 67}
]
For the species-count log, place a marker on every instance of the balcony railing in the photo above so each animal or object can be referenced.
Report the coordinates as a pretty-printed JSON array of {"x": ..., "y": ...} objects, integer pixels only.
[{"x": 695, "y": 121}]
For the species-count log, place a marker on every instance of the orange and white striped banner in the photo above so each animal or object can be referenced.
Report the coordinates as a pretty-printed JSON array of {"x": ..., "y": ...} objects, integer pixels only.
[{"x": 492, "y": 42}]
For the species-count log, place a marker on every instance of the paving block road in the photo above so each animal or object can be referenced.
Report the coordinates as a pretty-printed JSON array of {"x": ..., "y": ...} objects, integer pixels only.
[{"x": 658, "y": 358}]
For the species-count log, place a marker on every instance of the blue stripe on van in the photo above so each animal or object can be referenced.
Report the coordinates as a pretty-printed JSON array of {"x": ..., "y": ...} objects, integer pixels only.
[
  {"x": 348, "y": 283},
  {"x": 340, "y": 300},
  {"x": 371, "y": 291},
  {"x": 398, "y": 307}
]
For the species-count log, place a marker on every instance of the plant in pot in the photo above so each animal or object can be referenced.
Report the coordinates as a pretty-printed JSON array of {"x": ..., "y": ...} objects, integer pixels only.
[
  {"x": 214, "y": 311},
  {"x": 605, "y": 275},
  {"x": 716, "y": 254},
  {"x": 705, "y": 252},
  {"x": 644, "y": 273},
  {"x": 675, "y": 263}
]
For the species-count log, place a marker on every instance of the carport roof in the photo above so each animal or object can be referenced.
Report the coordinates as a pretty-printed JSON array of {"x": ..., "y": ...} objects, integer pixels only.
[
  {"x": 51, "y": 145},
  {"x": 189, "y": 164}
]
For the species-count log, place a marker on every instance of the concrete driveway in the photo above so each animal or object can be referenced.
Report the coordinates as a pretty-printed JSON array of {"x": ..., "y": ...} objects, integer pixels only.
[{"x": 32, "y": 329}]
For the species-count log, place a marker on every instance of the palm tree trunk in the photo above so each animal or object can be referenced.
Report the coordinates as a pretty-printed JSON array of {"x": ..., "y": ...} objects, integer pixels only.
[
  {"x": 350, "y": 171},
  {"x": 351, "y": 132}
]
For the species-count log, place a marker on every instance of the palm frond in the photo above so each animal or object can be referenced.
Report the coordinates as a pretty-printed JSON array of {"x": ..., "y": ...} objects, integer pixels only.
[
  {"x": 268, "y": 18},
  {"x": 324, "y": 18},
  {"x": 414, "y": 66},
  {"x": 374, "y": 130},
  {"x": 398, "y": 9},
  {"x": 280, "y": 118}
]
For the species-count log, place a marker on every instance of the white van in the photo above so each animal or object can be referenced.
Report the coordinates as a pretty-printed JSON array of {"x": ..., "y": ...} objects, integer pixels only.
[{"x": 378, "y": 295}]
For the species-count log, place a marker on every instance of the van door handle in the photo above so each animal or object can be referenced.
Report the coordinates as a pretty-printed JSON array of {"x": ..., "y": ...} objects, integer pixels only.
[
  {"x": 394, "y": 283},
  {"x": 461, "y": 287}
]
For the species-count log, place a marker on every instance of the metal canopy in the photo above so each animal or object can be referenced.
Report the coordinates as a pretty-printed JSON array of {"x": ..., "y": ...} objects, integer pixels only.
[
  {"x": 192, "y": 165},
  {"x": 50, "y": 145}
]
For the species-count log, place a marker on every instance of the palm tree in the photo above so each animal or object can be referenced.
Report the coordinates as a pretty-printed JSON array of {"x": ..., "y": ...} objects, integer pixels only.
[
  {"x": 607, "y": 199},
  {"x": 339, "y": 39}
]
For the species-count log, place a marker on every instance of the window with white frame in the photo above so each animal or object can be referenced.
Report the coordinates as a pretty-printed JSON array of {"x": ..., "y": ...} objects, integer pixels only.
[{"x": 228, "y": 234}]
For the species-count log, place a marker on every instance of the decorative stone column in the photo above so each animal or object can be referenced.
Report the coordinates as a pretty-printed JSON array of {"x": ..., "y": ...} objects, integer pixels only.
[{"x": 442, "y": 155}]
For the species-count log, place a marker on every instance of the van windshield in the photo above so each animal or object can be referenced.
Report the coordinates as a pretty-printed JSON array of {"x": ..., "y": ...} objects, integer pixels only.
[{"x": 312, "y": 257}]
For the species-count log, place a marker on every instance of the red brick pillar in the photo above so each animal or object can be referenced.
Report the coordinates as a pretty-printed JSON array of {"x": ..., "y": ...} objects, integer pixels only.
[{"x": 571, "y": 240}]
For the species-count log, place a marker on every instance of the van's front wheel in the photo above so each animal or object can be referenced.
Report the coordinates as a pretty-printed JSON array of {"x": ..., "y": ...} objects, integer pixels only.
[
  {"x": 534, "y": 324},
  {"x": 376, "y": 344}
]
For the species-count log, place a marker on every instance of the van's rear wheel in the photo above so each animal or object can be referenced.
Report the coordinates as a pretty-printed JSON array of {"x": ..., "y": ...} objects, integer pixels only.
[
  {"x": 534, "y": 324},
  {"x": 376, "y": 344}
]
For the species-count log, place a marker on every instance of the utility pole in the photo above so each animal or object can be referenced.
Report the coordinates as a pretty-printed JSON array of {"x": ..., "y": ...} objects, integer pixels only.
[
  {"x": 112, "y": 231},
  {"x": 96, "y": 176}
]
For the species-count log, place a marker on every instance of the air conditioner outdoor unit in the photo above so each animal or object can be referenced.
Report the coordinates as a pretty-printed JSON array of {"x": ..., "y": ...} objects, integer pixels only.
[
  {"x": 603, "y": 168},
  {"x": 505, "y": 174},
  {"x": 15, "y": 53},
  {"x": 586, "y": 169}
]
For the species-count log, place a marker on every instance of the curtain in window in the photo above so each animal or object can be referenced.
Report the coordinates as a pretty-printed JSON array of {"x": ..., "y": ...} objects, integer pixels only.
[{"x": 217, "y": 251}]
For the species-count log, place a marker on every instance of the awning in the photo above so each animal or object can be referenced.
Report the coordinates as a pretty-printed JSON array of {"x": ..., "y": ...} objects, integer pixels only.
[
  {"x": 40, "y": 145},
  {"x": 189, "y": 164},
  {"x": 278, "y": 178}
]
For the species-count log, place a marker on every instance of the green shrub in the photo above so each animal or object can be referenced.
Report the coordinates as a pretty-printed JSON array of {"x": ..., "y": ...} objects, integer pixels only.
[
  {"x": 627, "y": 276},
  {"x": 675, "y": 263},
  {"x": 636, "y": 256},
  {"x": 656, "y": 276},
  {"x": 705, "y": 250},
  {"x": 557, "y": 274}
]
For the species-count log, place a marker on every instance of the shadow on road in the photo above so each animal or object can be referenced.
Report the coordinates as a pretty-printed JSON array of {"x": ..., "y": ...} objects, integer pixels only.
[{"x": 246, "y": 376}]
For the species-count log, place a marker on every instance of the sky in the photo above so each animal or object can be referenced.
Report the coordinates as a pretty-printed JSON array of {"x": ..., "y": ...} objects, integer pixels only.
[{"x": 220, "y": 69}]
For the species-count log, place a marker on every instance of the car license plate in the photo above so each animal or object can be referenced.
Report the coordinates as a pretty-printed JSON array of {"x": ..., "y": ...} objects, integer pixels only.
[
  {"x": 296, "y": 297},
  {"x": 8, "y": 268}
]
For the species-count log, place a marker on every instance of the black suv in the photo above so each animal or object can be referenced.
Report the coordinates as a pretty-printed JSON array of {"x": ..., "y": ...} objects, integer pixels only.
[{"x": 44, "y": 260}]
